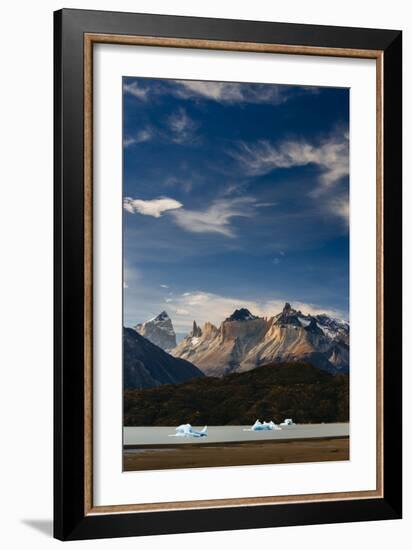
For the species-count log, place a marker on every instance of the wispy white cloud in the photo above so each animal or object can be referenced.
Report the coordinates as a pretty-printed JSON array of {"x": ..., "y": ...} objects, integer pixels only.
[
  {"x": 265, "y": 204},
  {"x": 216, "y": 218},
  {"x": 128, "y": 141},
  {"x": 164, "y": 286},
  {"x": 182, "y": 127},
  {"x": 179, "y": 127},
  {"x": 221, "y": 92},
  {"x": 339, "y": 206},
  {"x": 332, "y": 157},
  {"x": 182, "y": 183},
  {"x": 205, "y": 306},
  {"x": 232, "y": 92},
  {"x": 144, "y": 134},
  {"x": 154, "y": 207},
  {"x": 136, "y": 90}
]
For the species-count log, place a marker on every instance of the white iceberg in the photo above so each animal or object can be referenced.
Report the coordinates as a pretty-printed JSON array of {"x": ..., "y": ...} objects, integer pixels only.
[
  {"x": 186, "y": 430},
  {"x": 288, "y": 422},
  {"x": 259, "y": 426}
]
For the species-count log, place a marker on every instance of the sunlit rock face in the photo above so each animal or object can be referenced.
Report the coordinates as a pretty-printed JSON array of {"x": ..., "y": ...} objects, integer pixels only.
[{"x": 244, "y": 341}]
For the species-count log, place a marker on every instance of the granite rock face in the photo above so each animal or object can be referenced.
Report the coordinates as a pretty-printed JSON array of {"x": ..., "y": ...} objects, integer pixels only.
[
  {"x": 244, "y": 341},
  {"x": 159, "y": 331}
]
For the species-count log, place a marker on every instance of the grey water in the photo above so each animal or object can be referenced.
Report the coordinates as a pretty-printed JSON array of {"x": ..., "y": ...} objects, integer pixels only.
[{"x": 158, "y": 435}]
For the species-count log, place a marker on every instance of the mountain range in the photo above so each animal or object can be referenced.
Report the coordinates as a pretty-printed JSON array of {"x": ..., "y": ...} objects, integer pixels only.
[
  {"x": 244, "y": 341},
  {"x": 241, "y": 343}
]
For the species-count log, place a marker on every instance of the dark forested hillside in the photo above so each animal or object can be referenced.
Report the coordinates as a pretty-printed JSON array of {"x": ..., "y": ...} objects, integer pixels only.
[{"x": 272, "y": 392}]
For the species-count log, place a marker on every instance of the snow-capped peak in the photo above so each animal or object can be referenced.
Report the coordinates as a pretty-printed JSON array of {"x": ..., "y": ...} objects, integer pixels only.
[
  {"x": 159, "y": 330},
  {"x": 163, "y": 316}
]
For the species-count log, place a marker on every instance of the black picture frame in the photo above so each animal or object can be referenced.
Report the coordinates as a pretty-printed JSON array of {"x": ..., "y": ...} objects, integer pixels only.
[{"x": 70, "y": 520}]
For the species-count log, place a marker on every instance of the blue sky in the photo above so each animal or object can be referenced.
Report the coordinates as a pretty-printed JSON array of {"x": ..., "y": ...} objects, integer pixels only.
[{"x": 234, "y": 194}]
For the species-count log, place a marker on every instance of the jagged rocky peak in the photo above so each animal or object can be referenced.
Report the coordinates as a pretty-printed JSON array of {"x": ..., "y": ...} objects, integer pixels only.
[
  {"x": 163, "y": 316},
  {"x": 209, "y": 329},
  {"x": 196, "y": 330},
  {"x": 288, "y": 316},
  {"x": 159, "y": 331},
  {"x": 313, "y": 328},
  {"x": 241, "y": 314},
  {"x": 331, "y": 323},
  {"x": 335, "y": 329}
]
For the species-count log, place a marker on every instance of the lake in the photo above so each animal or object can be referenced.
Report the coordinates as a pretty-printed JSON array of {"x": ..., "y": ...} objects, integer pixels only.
[{"x": 160, "y": 435}]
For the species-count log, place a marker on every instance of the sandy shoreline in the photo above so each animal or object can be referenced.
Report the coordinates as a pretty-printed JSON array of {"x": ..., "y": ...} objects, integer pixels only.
[{"x": 161, "y": 457}]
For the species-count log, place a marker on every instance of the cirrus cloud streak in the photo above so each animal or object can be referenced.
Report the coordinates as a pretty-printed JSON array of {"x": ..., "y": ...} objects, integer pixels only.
[
  {"x": 331, "y": 156},
  {"x": 216, "y": 218}
]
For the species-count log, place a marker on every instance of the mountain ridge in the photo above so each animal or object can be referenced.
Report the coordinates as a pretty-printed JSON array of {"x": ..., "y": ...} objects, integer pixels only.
[{"x": 244, "y": 341}]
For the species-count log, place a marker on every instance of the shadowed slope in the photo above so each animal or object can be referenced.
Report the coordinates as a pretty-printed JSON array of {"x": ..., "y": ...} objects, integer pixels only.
[{"x": 146, "y": 365}]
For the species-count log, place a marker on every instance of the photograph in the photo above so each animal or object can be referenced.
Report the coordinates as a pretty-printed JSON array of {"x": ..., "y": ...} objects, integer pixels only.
[
  {"x": 227, "y": 273},
  {"x": 236, "y": 321}
]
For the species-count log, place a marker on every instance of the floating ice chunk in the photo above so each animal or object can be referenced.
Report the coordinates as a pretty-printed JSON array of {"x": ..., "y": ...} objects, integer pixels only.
[
  {"x": 259, "y": 426},
  {"x": 183, "y": 428},
  {"x": 288, "y": 422},
  {"x": 186, "y": 430}
]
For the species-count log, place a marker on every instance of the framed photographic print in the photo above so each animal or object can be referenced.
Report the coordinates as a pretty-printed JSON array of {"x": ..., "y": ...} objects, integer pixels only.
[{"x": 227, "y": 274}]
